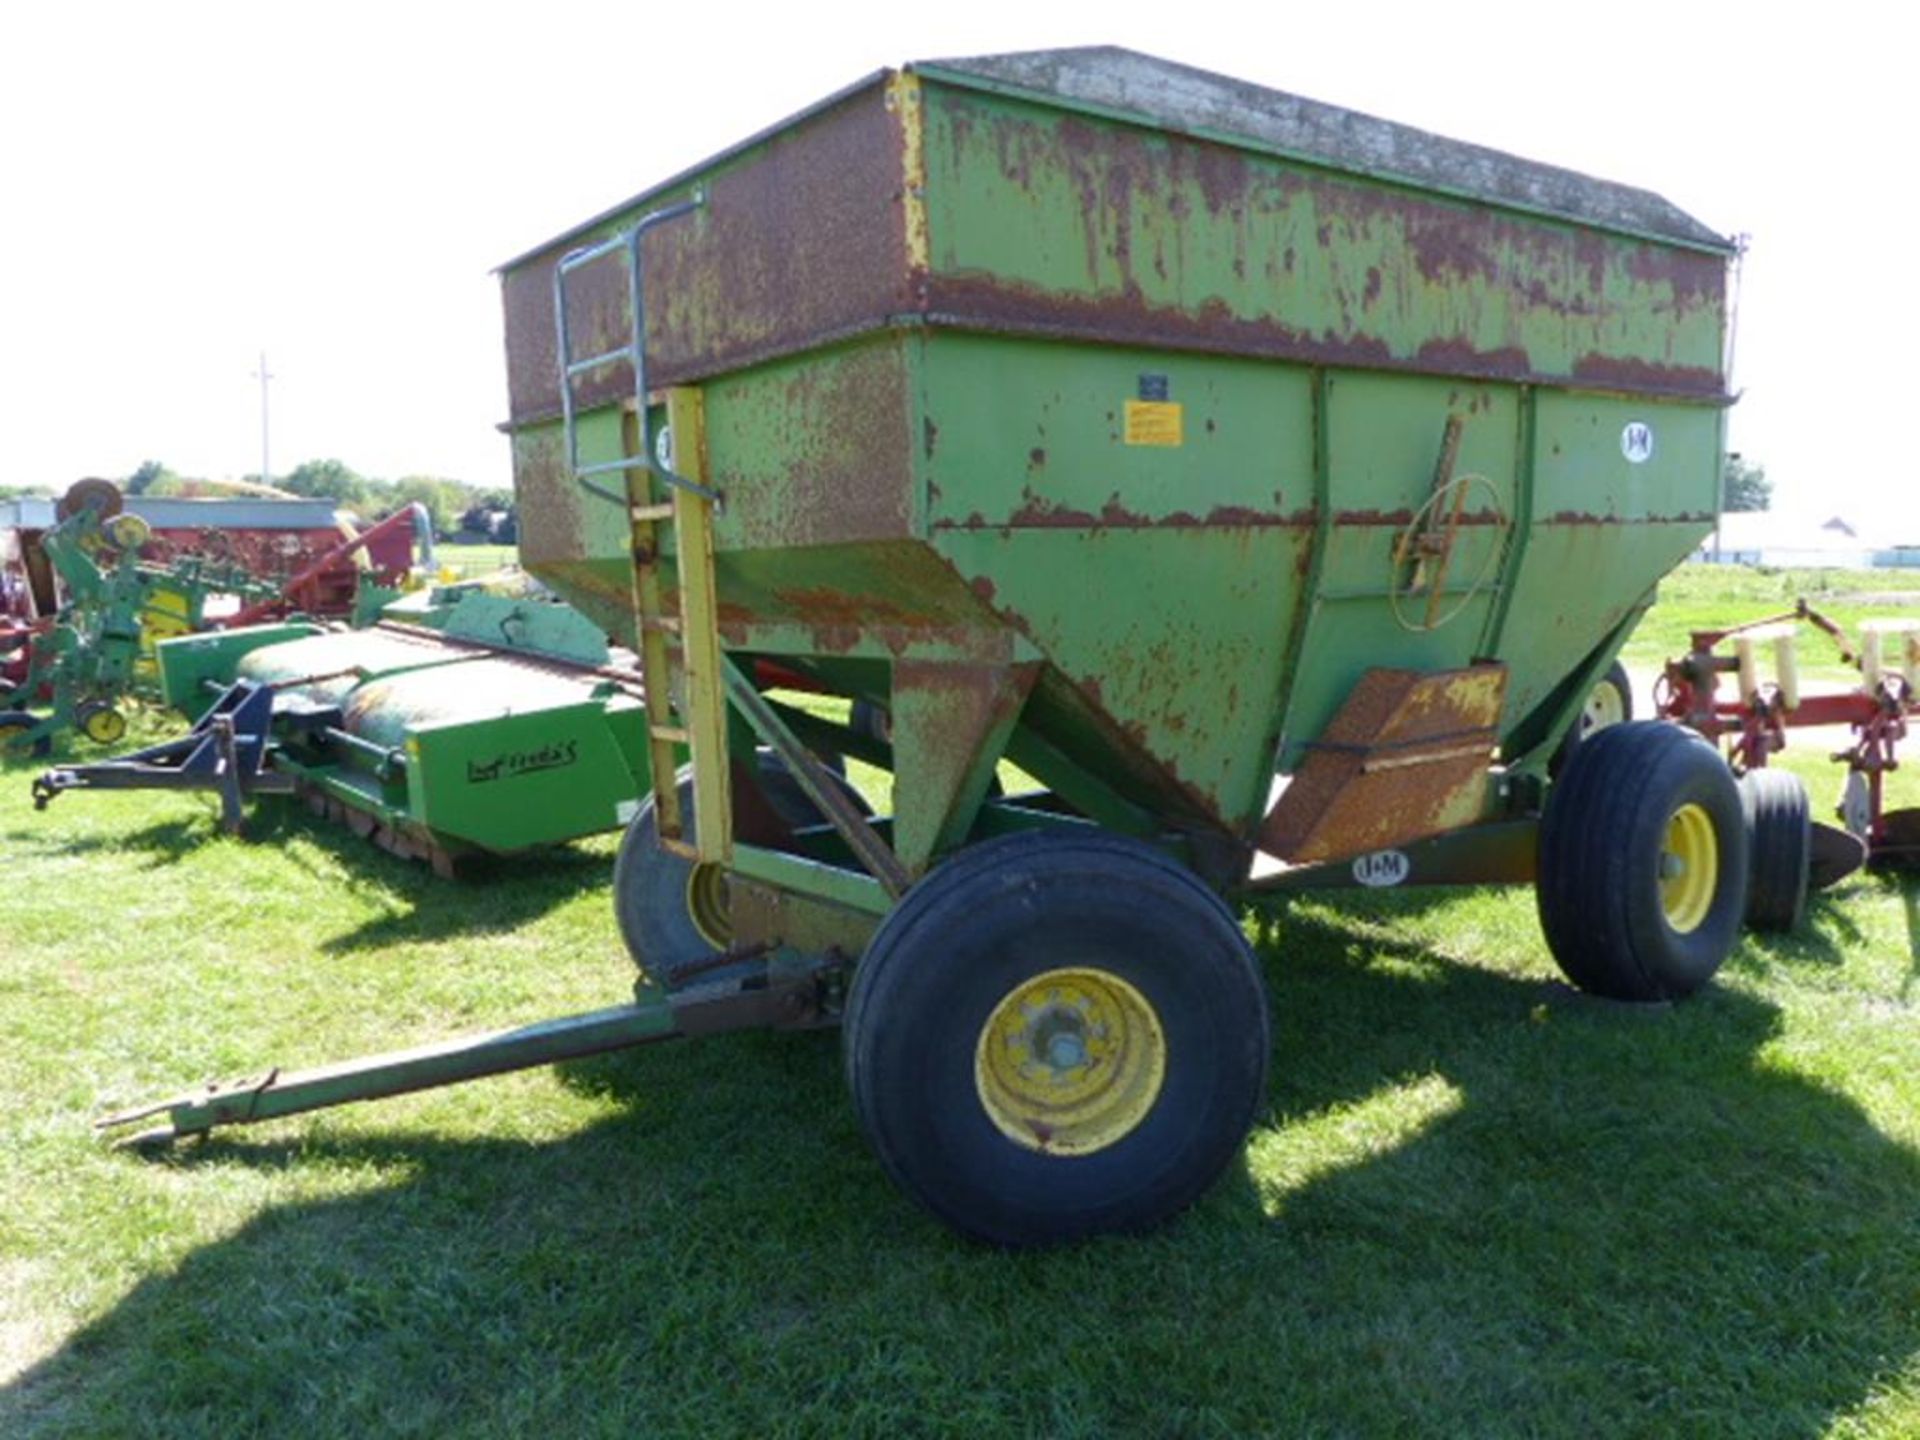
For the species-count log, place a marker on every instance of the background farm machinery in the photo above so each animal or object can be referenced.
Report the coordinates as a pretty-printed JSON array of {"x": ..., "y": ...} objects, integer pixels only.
[
  {"x": 294, "y": 543},
  {"x": 1767, "y": 699},
  {"x": 89, "y": 603},
  {"x": 464, "y": 720}
]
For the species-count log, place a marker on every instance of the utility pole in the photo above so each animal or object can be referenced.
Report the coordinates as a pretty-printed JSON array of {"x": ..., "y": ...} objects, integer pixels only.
[{"x": 263, "y": 375}]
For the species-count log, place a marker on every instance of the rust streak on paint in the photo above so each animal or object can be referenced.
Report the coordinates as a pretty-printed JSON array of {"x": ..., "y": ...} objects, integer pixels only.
[
  {"x": 739, "y": 280},
  {"x": 1405, "y": 757}
]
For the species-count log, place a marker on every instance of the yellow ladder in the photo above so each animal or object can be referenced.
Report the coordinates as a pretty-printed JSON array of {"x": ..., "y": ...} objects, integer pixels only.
[{"x": 698, "y": 719}]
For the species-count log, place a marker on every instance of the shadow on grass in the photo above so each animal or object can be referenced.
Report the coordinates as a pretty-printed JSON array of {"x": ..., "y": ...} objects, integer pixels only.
[
  {"x": 1825, "y": 937},
  {"x": 163, "y": 843},
  {"x": 493, "y": 892},
  {"x": 1617, "y": 1223}
]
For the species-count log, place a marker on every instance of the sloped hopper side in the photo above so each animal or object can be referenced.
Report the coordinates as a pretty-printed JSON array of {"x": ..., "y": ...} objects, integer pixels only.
[{"x": 1069, "y": 361}]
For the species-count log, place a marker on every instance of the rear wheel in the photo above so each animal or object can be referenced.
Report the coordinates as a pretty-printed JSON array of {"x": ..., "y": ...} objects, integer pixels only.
[
  {"x": 1780, "y": 842},
  {"x": 1643, "y": 863},
  {"x": 1055, "y": 1035},
  {"x": 673, "y": 912},
  {"x": 1609, "y": 703}
]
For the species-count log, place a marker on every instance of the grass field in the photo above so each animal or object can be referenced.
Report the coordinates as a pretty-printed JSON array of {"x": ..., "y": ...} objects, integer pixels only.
[
  {"x": 466, "y": 562},
  {"x": 1475, "y": 1204},
  {"x": 1701, "y": 597}
]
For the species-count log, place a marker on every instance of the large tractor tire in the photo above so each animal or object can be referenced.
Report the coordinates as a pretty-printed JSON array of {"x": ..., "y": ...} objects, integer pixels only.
[
  {"x": 1780, "y": 845},
  {"x": 1054, "y": 1035},
  {"x": 672, "y": 912},
  {"x": 1643, "y": 863}
]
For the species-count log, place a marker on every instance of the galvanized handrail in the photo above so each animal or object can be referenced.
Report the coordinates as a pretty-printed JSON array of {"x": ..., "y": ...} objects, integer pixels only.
[{"x": 634, "y": 352}]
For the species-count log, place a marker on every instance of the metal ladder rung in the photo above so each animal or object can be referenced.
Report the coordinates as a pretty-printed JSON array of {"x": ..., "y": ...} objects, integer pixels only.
[
  {"x": 673, "y": 734},
  {"x": 587, "y": 254},
  {"x": 664, "y": 624},
  {"x": 625, "y": 462},
  {"x": 580, "y": 367},
  {"x": 653, "y": 514}
]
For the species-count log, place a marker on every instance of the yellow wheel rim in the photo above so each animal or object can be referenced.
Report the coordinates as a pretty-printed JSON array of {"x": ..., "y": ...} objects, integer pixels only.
[
  {"x": 1604, "y": 707},
  {"x": 103, "y": 727},
  {"x": 1070, "y": 1062},
  {"x": 1689, "y": 868},
  {"x": 707, "y": 904}
]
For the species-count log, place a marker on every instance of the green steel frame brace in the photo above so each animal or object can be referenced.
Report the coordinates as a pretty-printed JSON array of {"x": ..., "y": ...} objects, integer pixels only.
[{"x": 814, "y": 778}]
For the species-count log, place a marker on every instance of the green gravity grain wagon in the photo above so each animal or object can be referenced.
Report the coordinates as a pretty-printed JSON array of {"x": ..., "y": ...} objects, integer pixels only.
[{"x": 1203, "y": 493}]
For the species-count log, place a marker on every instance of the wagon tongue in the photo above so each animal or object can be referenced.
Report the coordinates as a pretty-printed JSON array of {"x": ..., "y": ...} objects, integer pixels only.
[
  {"x": 1836, "y": 854},
  {"x": 1899, "y": 845},
  {"x": 790, "y": 1002}
]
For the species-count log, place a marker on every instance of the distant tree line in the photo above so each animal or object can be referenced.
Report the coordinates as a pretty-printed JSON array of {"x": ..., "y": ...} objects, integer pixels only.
[
  {"x": 1745, "y": 487},
  {"x": 456, "y": 508}
]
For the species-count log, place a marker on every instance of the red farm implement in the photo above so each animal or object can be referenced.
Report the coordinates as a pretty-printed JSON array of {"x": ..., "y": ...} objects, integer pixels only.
[{"x": 1766, "y": 699}]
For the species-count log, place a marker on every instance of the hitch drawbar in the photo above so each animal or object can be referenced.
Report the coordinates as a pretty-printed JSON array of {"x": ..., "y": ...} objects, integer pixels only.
[
  {"x": 652, "y": 1016},
  {"x": 226, "y": 752}
]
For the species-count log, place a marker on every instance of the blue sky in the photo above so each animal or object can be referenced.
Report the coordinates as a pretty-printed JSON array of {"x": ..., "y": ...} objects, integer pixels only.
[{"x": 189, "y": 183}]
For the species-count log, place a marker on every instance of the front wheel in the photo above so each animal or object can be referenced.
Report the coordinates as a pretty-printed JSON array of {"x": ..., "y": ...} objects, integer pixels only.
[
  {"x": 1055, "y": 1035},
  {"x": 1643, "y": 863}
]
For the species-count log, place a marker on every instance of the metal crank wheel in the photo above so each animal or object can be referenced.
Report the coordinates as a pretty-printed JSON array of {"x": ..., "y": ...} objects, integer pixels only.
[{"x": 1055, "y": 1035}]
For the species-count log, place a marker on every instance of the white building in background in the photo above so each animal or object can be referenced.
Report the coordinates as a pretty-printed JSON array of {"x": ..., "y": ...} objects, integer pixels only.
[{"x": 1780, "y": 541}]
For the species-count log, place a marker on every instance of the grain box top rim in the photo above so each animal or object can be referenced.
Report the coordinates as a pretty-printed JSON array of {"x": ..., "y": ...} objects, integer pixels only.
[{"x": 1135, "y": 88}]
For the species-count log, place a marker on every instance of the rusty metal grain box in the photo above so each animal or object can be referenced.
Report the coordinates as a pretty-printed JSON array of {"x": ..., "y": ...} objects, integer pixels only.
[{"x": 1206, "y": 398}]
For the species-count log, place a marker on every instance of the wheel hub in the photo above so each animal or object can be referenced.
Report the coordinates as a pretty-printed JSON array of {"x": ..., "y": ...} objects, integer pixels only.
[
  {"x": 1070, "y": 1062},
  {"x": 1689, "y": 868},
  {"x": 707, "y": 904}
]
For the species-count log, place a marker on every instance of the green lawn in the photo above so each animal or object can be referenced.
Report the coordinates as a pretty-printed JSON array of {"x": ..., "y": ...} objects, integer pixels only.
[
  {"x": 1476, "y": 1204},
  {"x": 468, "y": 562}
]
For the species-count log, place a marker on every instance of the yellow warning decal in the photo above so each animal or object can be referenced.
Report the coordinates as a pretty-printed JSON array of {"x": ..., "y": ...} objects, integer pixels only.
[{"x": 1153, "y": 422}]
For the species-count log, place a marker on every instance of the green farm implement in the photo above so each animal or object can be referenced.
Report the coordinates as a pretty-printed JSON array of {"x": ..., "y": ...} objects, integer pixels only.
[
  {"x": 463, "y": 721},
  {"x": 1203, "y": 494},
  {"x": 74, "y": 669}
]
